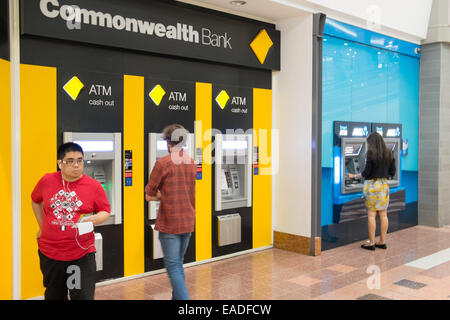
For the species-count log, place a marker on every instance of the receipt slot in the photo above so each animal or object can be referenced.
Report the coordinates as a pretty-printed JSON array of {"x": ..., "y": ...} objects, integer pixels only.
[
  {"x": 103, "y": 158},
  {"x": 233, "y": 171},
  {"x": 157, "y": 147}
]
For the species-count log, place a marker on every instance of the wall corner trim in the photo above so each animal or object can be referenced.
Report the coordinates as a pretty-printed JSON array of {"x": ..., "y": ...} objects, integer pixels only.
[{"x": 296, "y": 243}]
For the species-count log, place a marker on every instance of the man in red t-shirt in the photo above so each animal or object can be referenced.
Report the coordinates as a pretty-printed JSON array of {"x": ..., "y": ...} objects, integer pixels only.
[
  {"x": 172, "y": 181},
  {"x": 66, "y": 253}
]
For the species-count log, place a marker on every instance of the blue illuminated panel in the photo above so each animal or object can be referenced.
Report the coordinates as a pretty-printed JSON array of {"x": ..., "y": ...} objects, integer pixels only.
[
  {"x": 367, "y": 77},
  {"x": 346, "y": 31}
]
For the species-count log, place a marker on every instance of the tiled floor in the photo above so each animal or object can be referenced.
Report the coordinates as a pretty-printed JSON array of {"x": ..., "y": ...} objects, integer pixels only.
[{"x": 343, "y": 273}]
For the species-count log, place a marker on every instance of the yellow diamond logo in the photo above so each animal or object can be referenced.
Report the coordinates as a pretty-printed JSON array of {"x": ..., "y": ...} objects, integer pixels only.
[
  {"x": 73, "y": 87},
  {"x": 261, "y": 45},
  {"x": 157, "y": 94},
  {"x": 222, "y": 99}
]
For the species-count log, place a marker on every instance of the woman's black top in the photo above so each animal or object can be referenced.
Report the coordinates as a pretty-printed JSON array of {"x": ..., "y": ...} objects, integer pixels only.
[{"x": 378, "y": 169}]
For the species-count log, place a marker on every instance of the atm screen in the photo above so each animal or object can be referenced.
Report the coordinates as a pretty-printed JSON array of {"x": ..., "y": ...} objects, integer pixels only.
[
  {"x": 353, "y": 149},
  {"x": 161, "y": 145},
  {"x": 391, "y": 146}
]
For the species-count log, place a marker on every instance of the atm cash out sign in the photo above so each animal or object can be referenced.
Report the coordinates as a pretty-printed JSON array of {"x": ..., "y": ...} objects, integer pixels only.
[{"x": 76, "y": 17}]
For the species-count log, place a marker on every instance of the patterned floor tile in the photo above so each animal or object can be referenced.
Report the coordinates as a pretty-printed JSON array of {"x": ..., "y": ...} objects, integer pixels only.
[
  {"x": 410, "y": 284},
  {"x": 342, "y": 273},
  {"x": 372, "y": 296},
  {"x": 342, "y": 268},
  {"x": 305, "y": 281}
]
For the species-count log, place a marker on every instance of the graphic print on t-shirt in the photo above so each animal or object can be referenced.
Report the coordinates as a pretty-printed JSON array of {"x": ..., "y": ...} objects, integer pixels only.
[{"x": 65, "y": 206}]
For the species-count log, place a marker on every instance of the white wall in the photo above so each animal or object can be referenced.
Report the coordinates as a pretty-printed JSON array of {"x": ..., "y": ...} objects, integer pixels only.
[
  {"x": 403, "y": 19},
  {"x": 408, "y": 16},
  {"x": 292, "y": 116},
  {"x": 439, "y": 27}
]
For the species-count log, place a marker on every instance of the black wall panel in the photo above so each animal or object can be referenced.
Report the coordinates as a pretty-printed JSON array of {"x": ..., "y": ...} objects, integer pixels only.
[
  {"x": 49, "y": 52},
  {"x": 227, "y": 121},
  {"x": 156, "y": 117},
  {"x": 79, "y": 116},
  {"x": 4, "y": 30},
  {"x": 218, "y": 37}
]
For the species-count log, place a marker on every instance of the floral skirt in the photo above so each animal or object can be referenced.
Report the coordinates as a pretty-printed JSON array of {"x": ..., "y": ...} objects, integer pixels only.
[{"x": 376, "y": 194}]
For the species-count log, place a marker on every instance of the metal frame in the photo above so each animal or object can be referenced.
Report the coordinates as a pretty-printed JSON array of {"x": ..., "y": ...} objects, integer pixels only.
[
  {"x": 16, "y": 186},
  {"x": 343, "y": 142},
  {"x": 219, "y": 138},
  {"x": 316, "y": 152},
  {"x": 116, "y": 206}
]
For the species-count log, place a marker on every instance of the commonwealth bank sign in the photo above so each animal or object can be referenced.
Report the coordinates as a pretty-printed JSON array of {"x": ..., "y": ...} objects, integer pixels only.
[{"x": 158, "y": 27}]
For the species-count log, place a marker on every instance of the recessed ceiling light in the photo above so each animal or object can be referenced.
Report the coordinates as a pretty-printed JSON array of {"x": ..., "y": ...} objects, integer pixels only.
[{"x": 238, "y": 3}]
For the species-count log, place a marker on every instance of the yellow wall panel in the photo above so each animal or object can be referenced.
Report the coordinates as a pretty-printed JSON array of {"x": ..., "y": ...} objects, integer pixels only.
[
  {"x": 5, "y": 182},
  {"x": 262, "y": 183},
  {"x": 38, "y": 157},
  {"x": 133, "y": 196},
  {"x": 203, "y": 216}
]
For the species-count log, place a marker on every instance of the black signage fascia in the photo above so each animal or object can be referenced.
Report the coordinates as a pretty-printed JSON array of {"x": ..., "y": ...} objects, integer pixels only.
[
  {"x": 387, "y": 127},
  {"x": 351, "y": 125},
  {"x": 182, "y": 31},
  {"x": 4, "y": 30},
  {"x": 237, "y": 114},
  {"x": 99, "y": 105}
]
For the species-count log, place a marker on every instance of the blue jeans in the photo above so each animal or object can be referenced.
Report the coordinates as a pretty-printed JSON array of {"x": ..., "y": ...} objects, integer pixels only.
[{"x": 174, "y": 247}]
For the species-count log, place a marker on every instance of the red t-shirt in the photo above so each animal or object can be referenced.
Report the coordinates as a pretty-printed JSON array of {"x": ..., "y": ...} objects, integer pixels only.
[
  {"x": 63, "y": 204},
  {"x": 174, "y": 176}
]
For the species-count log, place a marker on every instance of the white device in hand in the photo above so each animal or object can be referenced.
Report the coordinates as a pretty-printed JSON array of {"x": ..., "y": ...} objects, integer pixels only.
[{"x": 85, "y": 227}]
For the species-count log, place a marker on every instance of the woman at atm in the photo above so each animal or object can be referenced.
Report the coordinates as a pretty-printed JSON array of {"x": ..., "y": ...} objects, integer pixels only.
[{"x": 380, "y": 165}]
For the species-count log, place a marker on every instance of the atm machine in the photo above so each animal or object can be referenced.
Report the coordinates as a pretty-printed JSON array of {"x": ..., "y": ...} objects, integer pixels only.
[
  {"x": 392, "y": 135},
  {"x": 349, "y": 154},
  {"x": 157, "y": 147},
  {"x": 103, "y": 159},
  {"x": 233, "y": 183}
]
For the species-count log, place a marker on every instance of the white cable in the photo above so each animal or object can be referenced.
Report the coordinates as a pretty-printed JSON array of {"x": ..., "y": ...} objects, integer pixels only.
[{"x": 76, "y": 239}]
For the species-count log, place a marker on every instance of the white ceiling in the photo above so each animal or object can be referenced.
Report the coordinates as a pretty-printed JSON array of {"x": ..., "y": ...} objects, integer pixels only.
[
  {"x": 268, "y": 10},
  {"x": 403, "y": 19}
]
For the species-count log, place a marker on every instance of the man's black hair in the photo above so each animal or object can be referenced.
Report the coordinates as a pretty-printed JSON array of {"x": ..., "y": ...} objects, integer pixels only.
[{"x": 68, "y": 147}]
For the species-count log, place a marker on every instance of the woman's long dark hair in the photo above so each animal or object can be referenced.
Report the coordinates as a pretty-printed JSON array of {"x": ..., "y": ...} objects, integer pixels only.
[{"x": 377, "y": 149}]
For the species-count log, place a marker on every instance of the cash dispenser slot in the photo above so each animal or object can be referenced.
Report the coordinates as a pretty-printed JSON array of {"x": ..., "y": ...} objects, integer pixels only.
[
  {"x": 157, "y": 249},
  {"x": 98, "y": 251}
]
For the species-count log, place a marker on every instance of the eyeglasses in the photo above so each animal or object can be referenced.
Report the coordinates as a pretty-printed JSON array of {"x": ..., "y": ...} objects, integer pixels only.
[{"x": 72, "y": 162}]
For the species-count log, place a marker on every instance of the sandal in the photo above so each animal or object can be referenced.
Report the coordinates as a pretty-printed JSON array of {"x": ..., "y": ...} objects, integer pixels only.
[{"x": 368, "y": 247}]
